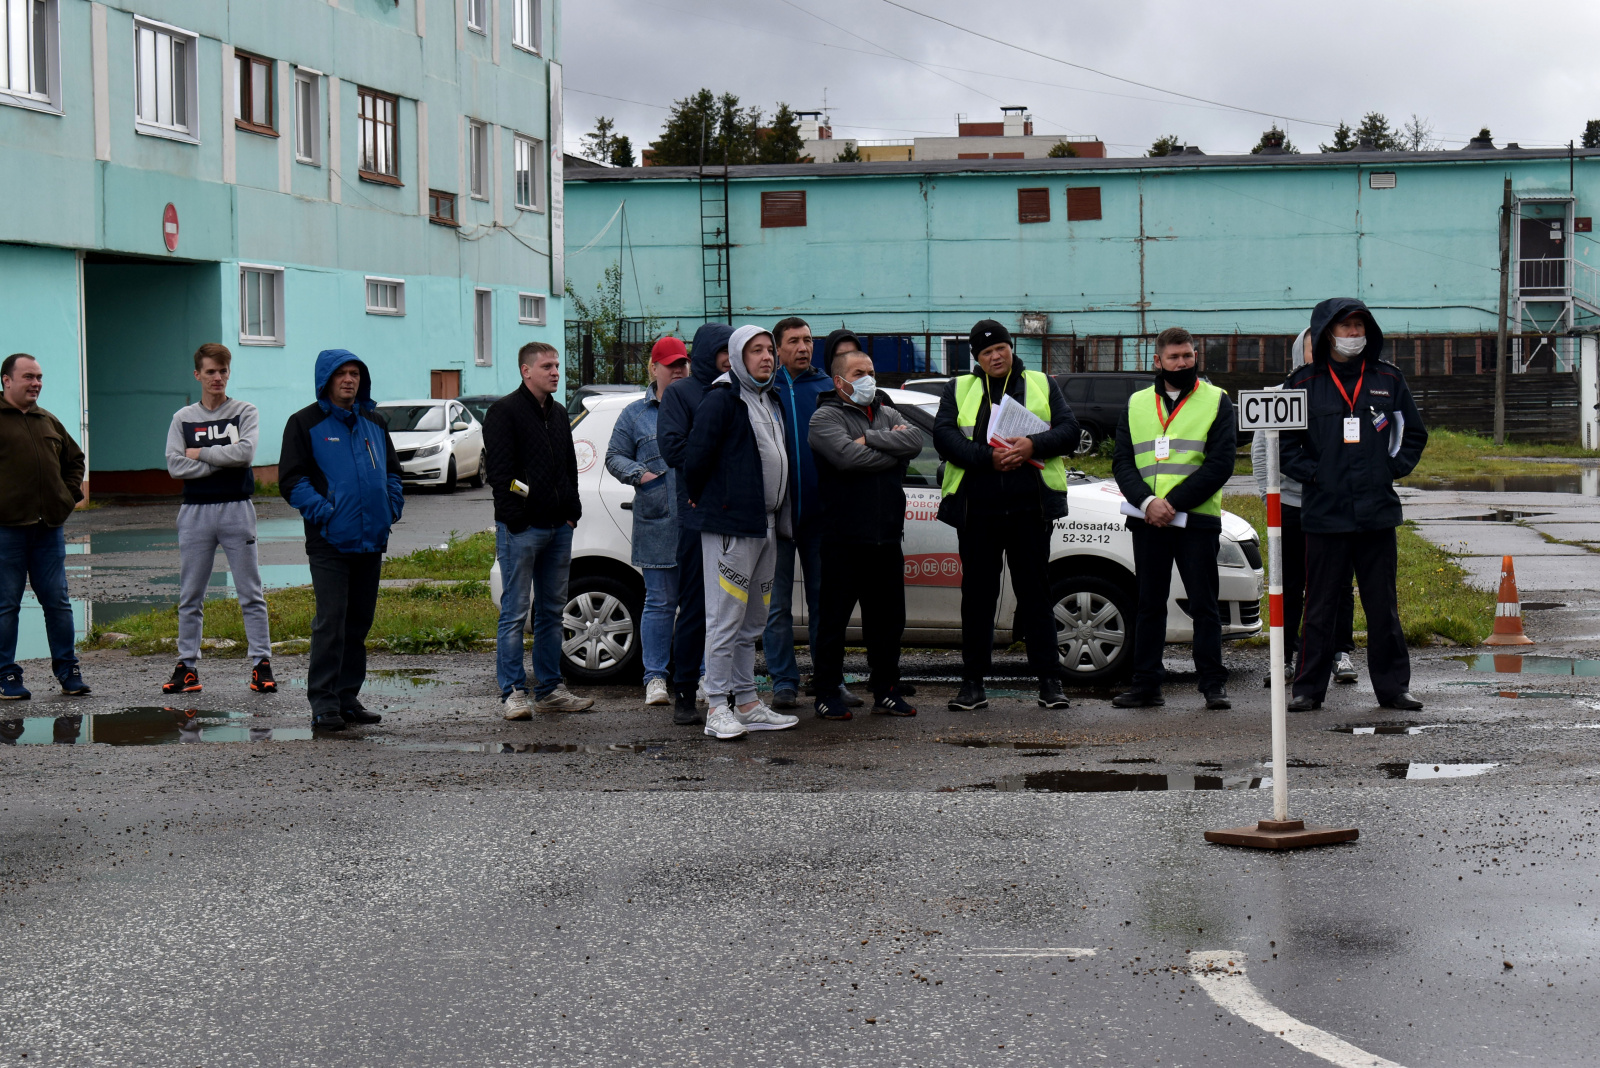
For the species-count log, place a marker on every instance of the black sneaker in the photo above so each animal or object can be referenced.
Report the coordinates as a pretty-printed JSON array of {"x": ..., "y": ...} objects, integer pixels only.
[
  {"x": 785, "y": 699},
  {"x": 327, "y": 721},
  {"x": 833, "y": 708},
  {"x": 1052, "y": 694},
  {"x": 1304, "y": 704},
  {"x": 893, "y": 703},
  {"x": 1138, "y": 699},
  {"x": 184, "y": 680},
  {"x": 261, "y": 680},
  {"x": 360, "y": 716},
  {"x": 970, "y": 698},
  {"x": 685, "y": 713},
  {"x": 1217, "y": 700}
]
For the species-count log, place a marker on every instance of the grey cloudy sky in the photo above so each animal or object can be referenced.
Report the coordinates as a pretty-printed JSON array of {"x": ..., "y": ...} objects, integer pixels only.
[{"x": 1526, "y": 70}]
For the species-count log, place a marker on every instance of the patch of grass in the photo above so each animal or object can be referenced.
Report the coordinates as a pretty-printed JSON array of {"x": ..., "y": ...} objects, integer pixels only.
[
  {"x": 469, "y": 558},
  {"x": 415, "y": 619},
  {"x": 266, "y": 489},
  {"x": 1433, "y": 593},
  {"x": 1459, "y": 454}
]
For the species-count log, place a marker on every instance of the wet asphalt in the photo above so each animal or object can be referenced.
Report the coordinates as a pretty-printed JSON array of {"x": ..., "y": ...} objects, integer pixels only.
[{"x": 449, "y": 888}]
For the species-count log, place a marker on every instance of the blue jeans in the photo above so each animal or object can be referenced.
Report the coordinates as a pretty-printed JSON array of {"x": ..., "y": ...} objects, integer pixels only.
[
  {"x": 37, "y": 555},
  {"x": 777, "y": 641},
  {"x": 533, "y": 564},
  {"x": 655, "y": 628}
]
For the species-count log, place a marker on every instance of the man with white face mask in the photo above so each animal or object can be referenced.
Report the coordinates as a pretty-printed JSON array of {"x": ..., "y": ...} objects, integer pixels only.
[
  {"x": 1364, "y": 431},
  {"x": 861, "y": 446}
]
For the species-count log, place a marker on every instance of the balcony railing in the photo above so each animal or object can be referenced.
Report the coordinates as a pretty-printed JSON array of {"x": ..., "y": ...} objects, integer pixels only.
[{"x": 1542, "y": 278}]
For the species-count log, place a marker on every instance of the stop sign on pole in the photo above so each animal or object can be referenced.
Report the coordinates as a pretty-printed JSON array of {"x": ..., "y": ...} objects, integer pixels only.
[{"x": 169, "y": 227}]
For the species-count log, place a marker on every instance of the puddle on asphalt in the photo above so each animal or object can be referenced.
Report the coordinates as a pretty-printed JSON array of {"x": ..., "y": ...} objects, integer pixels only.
[
  {"x": 1516, "y": 664},
  {"x": 165, "y": 539},
  {"x": 273, "y": 577},
  {"x": 1585, "y": 482},
  {"x": 1542, "y": 606},
  {"x": 1498, "y": 515},
  {"x": 396, "y": 682},
  {"x": 150, "y": 725},
  {"x": 1386, "y": 727},
  {"x": 653, "y": 750},
  {"x": 984, "y": 743},
  {"x": 1444, "y": 769},
  {"x": 1098, "y": 782}
]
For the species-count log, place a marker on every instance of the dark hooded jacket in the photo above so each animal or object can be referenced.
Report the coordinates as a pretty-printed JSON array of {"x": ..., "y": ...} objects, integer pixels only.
[
  {"x": 679, "y": 404},
  {"x": 1350, "y": 487},
  {"x": 797, "y": 397},
  {"x": 1018, "y": 493},
  {"x": 338, "y": 468}
]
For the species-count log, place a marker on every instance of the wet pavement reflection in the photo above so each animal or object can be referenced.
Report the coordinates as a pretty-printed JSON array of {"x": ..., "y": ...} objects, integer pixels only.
[
  {"x": 1098, "y": 782},
  {"x": 1516, "y": 664},
  {"x": 148, "y": 725},
  {"x": 1444, "y": 769}
]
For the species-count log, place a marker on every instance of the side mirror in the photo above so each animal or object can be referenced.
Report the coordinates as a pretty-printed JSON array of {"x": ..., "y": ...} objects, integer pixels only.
[{"x": 458, "y": 426}]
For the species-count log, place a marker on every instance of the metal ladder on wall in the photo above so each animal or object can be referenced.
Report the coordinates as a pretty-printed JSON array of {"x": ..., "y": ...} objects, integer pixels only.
[{"x": 714, "y": 243}]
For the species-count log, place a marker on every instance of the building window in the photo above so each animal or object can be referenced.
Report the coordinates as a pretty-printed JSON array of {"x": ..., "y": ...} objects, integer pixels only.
[
  {"x": 478, "y": 159},
  {"x": 525, "y": 24},
  {"x": 252, "y": 94},
  {"x": 442, "y": 208},
  {"x": 260, "y": 305},
  {"x": 478, "y": 16},
  {"x": 529, "y": 161},
  {"x": 307, "y": 117},
  {"x": 786, "y": 208},
  {"x": 530, "y": 309},
  {"x": 482, "y": 327},
  {"x": 1083, "y": 203},
  {"x": 29, "y": 46},
  {"x": 1033, "y": 205},
  {"x": 164, "y": 62},
  {"x": 386, "y": 296},
  {"x": 380, "y": 136}
]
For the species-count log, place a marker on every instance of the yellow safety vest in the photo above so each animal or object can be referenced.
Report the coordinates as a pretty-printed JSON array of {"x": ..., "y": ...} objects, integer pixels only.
[
  {"x": 1186, "y": 439},
  {"x": 970, "y": 393}
]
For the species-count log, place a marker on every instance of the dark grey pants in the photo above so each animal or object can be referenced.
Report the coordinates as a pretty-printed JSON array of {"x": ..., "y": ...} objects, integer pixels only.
[{"x": 346, "y": 586}]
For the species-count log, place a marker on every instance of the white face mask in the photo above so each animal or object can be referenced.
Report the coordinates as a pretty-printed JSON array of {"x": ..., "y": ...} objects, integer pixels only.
[
  {"x": 864, "y": 389},
  {"x": 1349, "y": 346}
]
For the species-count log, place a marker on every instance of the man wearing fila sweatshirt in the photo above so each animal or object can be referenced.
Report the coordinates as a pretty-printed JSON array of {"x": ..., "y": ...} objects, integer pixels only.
[{"x": 210, "y": 446}]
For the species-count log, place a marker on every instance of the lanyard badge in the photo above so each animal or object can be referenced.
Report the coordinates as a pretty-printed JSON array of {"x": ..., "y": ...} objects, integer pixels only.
[
  {"x": 1352, "y": 423},
  {"x": 1163, "y": 442}
]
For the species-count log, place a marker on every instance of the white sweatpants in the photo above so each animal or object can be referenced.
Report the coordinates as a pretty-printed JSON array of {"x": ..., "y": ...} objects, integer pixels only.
[
  {"x": 738, "y": 587},
  {"x": 202, "y": 529}
]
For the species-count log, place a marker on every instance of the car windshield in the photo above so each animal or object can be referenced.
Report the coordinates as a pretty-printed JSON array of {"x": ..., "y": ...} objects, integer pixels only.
[
  {"x": 402, "y": 417},
  {"x": 478, "y": 406}
]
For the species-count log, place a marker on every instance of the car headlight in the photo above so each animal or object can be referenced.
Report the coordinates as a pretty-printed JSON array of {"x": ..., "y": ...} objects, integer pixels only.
[
  {"x": 1230, "y": 554},
  {"x": 429, "y": 450}
]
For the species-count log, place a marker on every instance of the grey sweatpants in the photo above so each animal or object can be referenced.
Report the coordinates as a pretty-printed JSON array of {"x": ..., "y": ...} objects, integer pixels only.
[
  {"x": 201, "y": 529},
  {"x": 738, "y": 585}
]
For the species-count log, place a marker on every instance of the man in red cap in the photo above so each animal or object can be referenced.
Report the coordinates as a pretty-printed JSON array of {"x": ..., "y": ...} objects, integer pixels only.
[{"x": 634, "y": 458}]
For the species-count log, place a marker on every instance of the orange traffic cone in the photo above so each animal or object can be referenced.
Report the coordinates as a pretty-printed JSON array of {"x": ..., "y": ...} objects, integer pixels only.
[{"x": 1508, "y": 612}]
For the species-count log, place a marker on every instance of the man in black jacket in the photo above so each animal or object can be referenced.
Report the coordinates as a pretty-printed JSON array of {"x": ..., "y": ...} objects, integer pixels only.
[
  {"x": 1004, "y": 501},
  {"x": 1364, "y": 431},
  {"x": 534, "y": 474},
  {"x": 861, "y": 446}
]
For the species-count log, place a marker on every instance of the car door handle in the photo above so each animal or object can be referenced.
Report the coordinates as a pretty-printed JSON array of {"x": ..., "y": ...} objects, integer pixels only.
[{"x": 627, "y": 506}]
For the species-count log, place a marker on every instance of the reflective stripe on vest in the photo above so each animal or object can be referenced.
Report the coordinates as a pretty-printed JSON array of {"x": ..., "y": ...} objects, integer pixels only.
[
  {"x": 969, "y": 401},
  {"x": 1186, "y": 440}
]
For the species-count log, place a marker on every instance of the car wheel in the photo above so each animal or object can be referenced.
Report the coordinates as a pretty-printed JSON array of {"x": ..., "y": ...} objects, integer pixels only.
[
  {"x": 1094, "y": 628},
  {"x": 476, "y": 481},
  {"x": 1087, "y": 441},
  {"x": 449, "y": 484},
  {"x": 600, "y": 630}
]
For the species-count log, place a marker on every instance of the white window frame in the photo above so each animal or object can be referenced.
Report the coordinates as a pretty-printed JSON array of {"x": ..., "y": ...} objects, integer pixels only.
[
  {"x": 538, "y": 316},
  {"x": 276, "y": 276},
  {"x": 533, "y": 149},
  {"x": 399, "y": 306},
  {"x": 483, "y": 327},
  {"x": 189, "y": 83},
  {"x": 478, "y": 16},
  {"x": 42, "y": 89},
  {"x": 308, "y": 121},
  {"x": 477, "y": 159},
  {"x": 525, "y": 24}
]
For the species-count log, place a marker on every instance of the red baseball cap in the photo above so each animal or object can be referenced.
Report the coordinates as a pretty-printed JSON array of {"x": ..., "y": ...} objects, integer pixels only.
[{"x": 668, "y": 350}]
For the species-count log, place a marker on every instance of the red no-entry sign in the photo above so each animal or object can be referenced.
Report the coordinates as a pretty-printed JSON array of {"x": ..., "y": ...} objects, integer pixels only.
[{"x": 169, "y": 227}]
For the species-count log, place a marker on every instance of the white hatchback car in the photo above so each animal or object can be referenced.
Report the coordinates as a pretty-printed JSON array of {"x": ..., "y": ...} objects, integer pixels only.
[
  {"x": 438, "y": 441},
  {"x": 1091, "y": 567}
]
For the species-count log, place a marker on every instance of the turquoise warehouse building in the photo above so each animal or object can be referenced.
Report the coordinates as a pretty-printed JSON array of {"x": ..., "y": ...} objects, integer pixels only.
[
  {"x": 282, "y": 176},
  {"x": 1087, "y": 259}
]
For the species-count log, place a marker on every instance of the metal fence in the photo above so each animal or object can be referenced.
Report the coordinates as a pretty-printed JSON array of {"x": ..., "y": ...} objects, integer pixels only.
[{"x": 615, "y": 352}]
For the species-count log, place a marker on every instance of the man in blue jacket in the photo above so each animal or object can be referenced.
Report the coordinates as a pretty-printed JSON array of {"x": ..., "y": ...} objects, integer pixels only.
[
  {"x": 708, "y": 358},
  {"x": 339, "y": 469}
]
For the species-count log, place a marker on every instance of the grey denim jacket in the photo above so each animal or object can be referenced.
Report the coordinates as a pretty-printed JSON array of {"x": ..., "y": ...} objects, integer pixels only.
[{"x": 633, "y": 452}]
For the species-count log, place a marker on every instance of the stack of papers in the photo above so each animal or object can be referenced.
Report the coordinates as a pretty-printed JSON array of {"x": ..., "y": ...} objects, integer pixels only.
[
  {"x": 1012, "y": 420},
  {"x": 1179, "y": 520}
]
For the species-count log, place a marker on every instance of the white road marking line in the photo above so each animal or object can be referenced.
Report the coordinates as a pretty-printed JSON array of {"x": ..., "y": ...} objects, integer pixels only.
[
  {"x": 1220, "y": 973},
  {"x": 1018, "y": 951}
]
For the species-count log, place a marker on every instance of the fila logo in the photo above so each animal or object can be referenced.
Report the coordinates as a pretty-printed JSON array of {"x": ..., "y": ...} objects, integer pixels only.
[{"x": 213, "y": 432}]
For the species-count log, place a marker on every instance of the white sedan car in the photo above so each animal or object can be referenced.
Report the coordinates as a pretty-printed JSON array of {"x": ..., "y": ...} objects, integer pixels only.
[
  {"x": 438, "y": 441},
  {"x": 1091, "y": 567}
]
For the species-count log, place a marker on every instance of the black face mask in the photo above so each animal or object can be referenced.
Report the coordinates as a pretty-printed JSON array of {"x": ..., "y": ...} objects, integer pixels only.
[{"x": 1180, "y": 380}]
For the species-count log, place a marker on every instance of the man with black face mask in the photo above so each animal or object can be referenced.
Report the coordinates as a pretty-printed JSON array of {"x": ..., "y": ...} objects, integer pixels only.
[{"x": 1174, "y": 453}]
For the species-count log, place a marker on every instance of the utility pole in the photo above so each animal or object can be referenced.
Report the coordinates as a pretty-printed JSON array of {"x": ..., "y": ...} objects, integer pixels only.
[{"x": 1501, "y": 355}]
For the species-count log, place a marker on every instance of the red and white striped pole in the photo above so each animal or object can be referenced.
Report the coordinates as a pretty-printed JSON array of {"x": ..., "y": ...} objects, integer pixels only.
[{"x": 1280, "y": 697}]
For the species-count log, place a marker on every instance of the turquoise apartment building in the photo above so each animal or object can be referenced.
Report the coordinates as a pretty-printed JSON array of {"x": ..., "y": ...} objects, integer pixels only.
[{"x": 283, "y": 176}]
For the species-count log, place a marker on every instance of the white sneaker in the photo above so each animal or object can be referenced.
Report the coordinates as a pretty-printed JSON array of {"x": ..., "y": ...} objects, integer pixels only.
[
  {"x": 722, "y": 723},
  {"x": 562, "y": 699},
  {"x": 655, "y": 692},
  {"x": 763, "y": 718},
  {"x": 1344, "y": 669},
  {"x": 519, "y": 705},
  {"x": 700, "y": 694}
]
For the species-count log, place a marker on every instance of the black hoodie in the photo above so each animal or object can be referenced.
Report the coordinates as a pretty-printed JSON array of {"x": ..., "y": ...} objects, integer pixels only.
[
  {"x": 1350, "y": 487},
  {"x": 680, "y": 401}
]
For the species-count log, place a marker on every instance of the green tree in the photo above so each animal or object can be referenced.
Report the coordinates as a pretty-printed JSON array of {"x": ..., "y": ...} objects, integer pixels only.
[
  {"x": 621, "y": 151},
  {"x": 726, "y": 131},
  {"x": 1375, "y": 127},
  {"x": 600, "y": 144},
  {"x": 1165, "y": 146},
  {"x": 604, "y": 313},
  {"x": 1343, "y": 141},
  {"x": 1274, "y": 138},
  {"x": 1417, "y": 135},
  {"x": 1591, "y": 134},
  {"x": 1062, "y": 150},
  {"x": 849, "y": 155},
  {"x": 781, "y": 142}
]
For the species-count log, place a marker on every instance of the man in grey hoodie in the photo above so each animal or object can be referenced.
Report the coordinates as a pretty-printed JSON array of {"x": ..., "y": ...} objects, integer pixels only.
[
  {"x": 736, "y": 475},
  {"x": 210, "y": 445}
]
